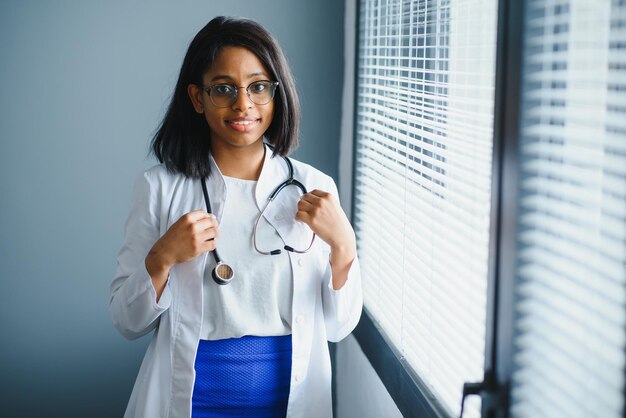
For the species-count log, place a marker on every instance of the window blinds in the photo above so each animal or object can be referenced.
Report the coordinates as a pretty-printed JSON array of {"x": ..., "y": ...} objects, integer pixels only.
[
  {"x": 570, "y": 327},
  {"x": 422, "y": 181}
]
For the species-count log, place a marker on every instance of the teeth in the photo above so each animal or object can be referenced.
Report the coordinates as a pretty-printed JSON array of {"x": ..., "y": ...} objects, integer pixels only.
[{"x": 242, "y": 122}]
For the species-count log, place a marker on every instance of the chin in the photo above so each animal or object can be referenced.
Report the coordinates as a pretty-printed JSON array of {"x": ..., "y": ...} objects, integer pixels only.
[{"x": 245, "y": 142}]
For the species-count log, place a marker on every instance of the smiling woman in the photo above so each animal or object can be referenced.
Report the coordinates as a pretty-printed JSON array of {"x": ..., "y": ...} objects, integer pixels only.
[{"x": 254, "y": 344}]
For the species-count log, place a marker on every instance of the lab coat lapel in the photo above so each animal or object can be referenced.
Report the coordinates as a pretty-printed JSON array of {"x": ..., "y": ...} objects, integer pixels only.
[{"x": 216, "y": 188}]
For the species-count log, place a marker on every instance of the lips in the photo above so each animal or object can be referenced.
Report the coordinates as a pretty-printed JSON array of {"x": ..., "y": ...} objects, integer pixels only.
[{"x": 243, "y": 124}]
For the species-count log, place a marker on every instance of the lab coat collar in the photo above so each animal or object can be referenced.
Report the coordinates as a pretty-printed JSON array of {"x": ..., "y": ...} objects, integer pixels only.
[{"x": 273, "y": 172}]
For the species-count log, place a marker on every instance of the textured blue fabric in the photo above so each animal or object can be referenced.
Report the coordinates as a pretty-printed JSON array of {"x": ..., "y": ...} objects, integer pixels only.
[{"x": 242, "y": 377}]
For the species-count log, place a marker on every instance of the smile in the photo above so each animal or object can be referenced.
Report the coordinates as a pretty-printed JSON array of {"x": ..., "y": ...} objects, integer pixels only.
[{"x": 242, "y": 125}]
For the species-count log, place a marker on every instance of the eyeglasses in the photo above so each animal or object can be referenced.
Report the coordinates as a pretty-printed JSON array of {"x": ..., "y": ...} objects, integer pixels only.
[{"x": 225, "y": 95}]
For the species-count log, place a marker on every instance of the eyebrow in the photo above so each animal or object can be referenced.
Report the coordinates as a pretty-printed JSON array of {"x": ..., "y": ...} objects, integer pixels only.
[{"x": 227, "y": 77}]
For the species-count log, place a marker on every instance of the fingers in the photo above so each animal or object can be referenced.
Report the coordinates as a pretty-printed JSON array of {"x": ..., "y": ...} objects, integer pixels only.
[
  {"x": 319, "y": 193},
  {"x": 316, "y": 209},
  {"x": 305, "y": 210},
  {"x": 323, "y": 214},
  {"x": 198, "y": 221},
  {"x": 313, "y": 202},
  {"x": 203, "y": 241},
  {"x": 303, "y": 216},
  {"x": 204, "y": 224},
  {"x": 192, "y": 234},
  {"x": 196, "y": 215},
  {"x": 315, "y": 196},
  {"x": 208, "y": 234},
  {"x": 203, "y": 244},
  {"x": 204, "y": 232}
]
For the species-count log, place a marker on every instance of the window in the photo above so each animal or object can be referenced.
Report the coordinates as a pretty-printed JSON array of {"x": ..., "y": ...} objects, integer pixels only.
[
  {"x": 570, "y": 309},
  {"x": 553, "y": 270},
  {"x": 422, "y": 182}
]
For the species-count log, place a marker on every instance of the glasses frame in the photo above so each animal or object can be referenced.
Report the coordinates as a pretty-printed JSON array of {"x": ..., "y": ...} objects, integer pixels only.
[{"x": 272, "y": 86}]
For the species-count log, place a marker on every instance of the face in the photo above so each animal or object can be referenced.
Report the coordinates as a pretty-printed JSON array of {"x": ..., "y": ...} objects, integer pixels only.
[{"x": 244, "y": 122}]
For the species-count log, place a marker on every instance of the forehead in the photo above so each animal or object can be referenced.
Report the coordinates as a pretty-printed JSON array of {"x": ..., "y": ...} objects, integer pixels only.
[{"x": 236, "y": 63}]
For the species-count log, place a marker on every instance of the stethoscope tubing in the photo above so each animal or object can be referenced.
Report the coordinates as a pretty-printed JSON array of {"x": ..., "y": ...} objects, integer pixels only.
[{"x": 222, "y": 273}]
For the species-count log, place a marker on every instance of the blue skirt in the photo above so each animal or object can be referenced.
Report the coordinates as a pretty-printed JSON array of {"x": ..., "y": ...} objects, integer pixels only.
[{"x": 242, "y": 377}]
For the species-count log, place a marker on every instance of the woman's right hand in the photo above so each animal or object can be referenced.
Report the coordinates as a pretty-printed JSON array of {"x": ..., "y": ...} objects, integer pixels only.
[{"x": 191, "y": 235}]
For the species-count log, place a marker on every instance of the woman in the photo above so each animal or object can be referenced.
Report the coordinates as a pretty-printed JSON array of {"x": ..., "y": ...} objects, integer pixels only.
[{"x": 240, "y": 281}]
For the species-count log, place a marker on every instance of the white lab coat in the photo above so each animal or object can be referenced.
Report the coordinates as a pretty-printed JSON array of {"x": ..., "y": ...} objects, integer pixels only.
[{"x": 165, "y": 380}]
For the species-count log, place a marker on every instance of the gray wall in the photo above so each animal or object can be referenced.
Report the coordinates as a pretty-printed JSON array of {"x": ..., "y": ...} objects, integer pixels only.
[
  {"x": 83, "y": 86},
  {"x": 360, "y": 392}
]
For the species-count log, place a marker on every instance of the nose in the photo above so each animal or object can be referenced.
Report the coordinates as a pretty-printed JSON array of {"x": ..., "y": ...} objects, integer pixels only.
[{"x": 242, "y": 100}]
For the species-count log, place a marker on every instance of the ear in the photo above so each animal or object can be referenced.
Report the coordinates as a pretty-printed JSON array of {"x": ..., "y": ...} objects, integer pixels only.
[{"x": 195, "y": 94}]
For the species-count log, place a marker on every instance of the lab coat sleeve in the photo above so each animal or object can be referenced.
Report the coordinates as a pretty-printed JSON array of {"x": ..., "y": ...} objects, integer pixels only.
[
  {"x": 133, "y": 306},
  {"x": 342, "y": 307}
]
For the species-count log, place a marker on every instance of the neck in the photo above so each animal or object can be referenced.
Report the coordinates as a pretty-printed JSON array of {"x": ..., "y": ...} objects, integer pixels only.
[{"x": 242, "y": 163}]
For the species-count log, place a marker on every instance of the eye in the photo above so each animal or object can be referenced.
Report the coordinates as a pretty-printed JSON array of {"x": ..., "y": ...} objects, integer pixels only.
[
  {"x": 259, "y": 87},
  {"x": 223, "y": 89}
]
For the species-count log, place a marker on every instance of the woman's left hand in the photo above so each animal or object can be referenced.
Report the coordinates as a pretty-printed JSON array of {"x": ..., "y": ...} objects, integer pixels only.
[{"x": 323, "y": 214}]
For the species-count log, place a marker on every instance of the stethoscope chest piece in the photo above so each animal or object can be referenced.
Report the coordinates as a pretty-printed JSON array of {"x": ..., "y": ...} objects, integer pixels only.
[{"x": 222, "y": 273}]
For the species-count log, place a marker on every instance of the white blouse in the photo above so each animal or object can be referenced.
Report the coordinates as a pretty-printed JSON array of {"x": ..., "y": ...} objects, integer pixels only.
[{"x": 259, "y": 298}]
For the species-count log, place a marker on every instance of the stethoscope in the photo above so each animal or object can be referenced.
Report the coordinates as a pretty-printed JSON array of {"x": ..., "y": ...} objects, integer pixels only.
[{"x": 223, "y": 273}]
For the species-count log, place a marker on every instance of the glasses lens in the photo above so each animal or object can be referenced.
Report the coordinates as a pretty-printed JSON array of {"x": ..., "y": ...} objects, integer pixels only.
[
  {"x": 261, "y": 92},
  {"x": 223, "y": 95}
]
